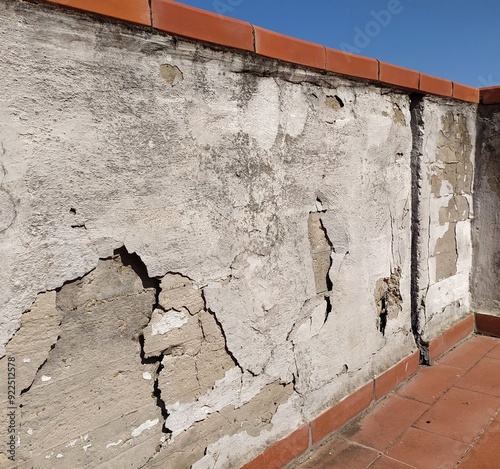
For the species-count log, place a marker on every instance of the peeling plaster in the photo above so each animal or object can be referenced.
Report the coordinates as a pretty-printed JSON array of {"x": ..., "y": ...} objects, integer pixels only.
[{"x": 148, "y": 425}]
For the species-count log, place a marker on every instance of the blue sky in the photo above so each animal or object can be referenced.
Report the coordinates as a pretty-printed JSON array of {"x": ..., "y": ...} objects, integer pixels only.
[{"x": 454, "y": 39}]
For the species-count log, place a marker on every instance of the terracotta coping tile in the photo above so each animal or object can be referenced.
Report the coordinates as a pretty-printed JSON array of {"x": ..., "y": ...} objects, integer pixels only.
[
  {"x": 341, "y": 413},
  {"x": 289, "y": 49},
  {"x": 399, "y": 76},
  {"x": 282, "y": 452},
  {"x": 193, "y": 23},
  {"x": 451, "y": 337},
  {"x": 465, "y": 93},
  {"x": 490, "y": 95},
  {"x": 434, "y": 85},
  {"x": 351, "y": 64},
  {"x": 389, "y": 379},
  {"x": 488, "y": 324},
  {"x": 135, "y": 11}
]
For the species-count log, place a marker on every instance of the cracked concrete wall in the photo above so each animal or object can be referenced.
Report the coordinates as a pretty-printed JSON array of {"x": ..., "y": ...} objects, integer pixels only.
[
  {"x": 446, "y": 150},
  {"x": 268, "y": 208},
  {"x": 486, "y": 278}
]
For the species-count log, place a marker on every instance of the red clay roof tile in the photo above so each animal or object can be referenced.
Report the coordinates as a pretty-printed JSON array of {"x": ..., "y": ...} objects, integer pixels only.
[
  {"x": 350, "y": 64},
  {"x": 193, "y": 23},
  {"x": 135, "y": 11},
  {"x": 279, "y": 46}
]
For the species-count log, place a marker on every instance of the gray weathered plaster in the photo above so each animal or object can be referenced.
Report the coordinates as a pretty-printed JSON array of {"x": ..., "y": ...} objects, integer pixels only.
[
  {"x": 486, "y": 228},
  {"x": 445, "y": 213}
]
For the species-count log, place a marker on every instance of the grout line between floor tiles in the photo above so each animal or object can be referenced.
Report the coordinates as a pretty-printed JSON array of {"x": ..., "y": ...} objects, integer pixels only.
[
  {"x": 399, "y": 461},
  {"x": 493, "y": 358},
  {"x": 476, "y": 391},
  {"x": 441, "y": 436},
  {"x": 476, "y": 440}
]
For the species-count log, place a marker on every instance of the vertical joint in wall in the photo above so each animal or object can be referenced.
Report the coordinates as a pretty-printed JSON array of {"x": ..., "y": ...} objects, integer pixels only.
[{"x": 417, "y": 125}]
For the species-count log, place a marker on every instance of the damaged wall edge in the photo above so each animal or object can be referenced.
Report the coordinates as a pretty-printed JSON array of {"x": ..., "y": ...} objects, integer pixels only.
[{"x": 416, "y": 125}]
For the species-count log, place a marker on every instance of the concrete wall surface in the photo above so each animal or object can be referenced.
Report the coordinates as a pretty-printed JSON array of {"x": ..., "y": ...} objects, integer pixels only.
[
  {"x": 443, "y": 209},
  {"x": 486, "y": 230},
  {"x": 203, "y": 249}
]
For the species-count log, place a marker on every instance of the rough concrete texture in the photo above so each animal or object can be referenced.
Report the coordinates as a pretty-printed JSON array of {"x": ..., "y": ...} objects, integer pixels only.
[
  {"x": 92, "y": 399},
  {"x": 486, "y": 277},
  {"x": 269, "y": 210},
  {"x": 446, "y": 149}
]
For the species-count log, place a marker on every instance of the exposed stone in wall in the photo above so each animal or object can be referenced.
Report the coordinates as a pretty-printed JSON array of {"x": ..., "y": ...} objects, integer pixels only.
[
  {"x": 100, "y": 374},
  {"x": 334, "y": 102},
  {"x": 250, "y": 419},
  {"x": 445, "y": 254},
  {"x": 91, "y": 398},
  {"x": 388, "y": 299},
  {"x": 457, "y": 210},
  {"x": 320, "y": 252},
  {"x": 39, "y": 331},
  {"x": 7, "y": 205},
  {"x": 171, "y": 74},
  {"x": 486, "y": 277},
  {"x": 188, "y": 341}
]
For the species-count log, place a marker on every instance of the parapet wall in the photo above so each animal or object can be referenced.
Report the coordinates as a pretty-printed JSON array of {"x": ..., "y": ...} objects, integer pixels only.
[
  {"x": 204, "y": 248},
  {"x": 486, "y": 279}
]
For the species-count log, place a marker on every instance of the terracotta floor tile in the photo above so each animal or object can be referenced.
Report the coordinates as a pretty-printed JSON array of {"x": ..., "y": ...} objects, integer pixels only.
[
  {"x": 426, "y": 450},
  {"x": 486, "y": 452},
  {"x": 430, "y": 383},
  {"x": 385, "y": 422},
  {"x": 383, "y": 462},
  {"x": 460, "y": 414},
  {"x": 483, "y": 377},
  {"x": 339, "y": 454},
  {"x": 494, "y": 353},
  {"x": 467, "y": 354}
]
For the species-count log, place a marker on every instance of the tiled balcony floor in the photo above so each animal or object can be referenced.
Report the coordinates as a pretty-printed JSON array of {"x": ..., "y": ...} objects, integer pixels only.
[{"x": 446, "y": 416}]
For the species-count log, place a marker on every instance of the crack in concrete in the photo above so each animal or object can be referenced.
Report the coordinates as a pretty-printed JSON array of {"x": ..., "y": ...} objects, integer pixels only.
[{"x": 52, "y": 347}]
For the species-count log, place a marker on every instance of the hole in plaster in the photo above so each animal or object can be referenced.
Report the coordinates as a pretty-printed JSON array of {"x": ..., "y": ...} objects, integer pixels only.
[
  {"x": 135, "y": 262},
  {"x": 334, "y": 102},
  {"x": 328, "y": 307},
  {"x": 321, "y": 250},
  {"x": 156, "y": 388},
  {"x": 388, "y": 299},
  {"x": 72, "y": 211},
  {"x": 171, "y": 74},
  {"x": 383, "y": 317},
  {"x": 319, "y": 206}
]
